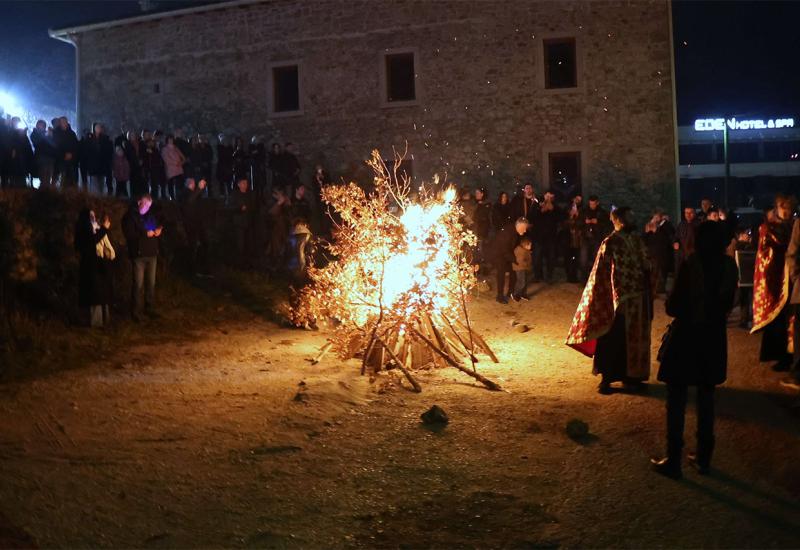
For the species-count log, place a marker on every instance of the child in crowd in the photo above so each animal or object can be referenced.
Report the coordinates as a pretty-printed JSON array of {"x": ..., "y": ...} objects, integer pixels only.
[
  {"x": 121, "y": 170},
  {"x": 522, "y": 267}
]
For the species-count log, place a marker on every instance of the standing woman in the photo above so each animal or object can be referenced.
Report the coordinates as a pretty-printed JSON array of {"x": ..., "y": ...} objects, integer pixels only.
[
  {"x": 695, "y": 352},
  {"x": 612, "y": 322},
  {"x": 173, "y": 165},
  {"x": 501, "y": 212},
  {"x": 90, "y": 238}
]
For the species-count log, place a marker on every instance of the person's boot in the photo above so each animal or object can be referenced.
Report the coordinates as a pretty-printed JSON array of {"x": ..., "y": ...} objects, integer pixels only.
[
  {"x": 604, "y": 388},
  {"x": 667, "y": 467},
  {"x": 701, "y": 466}
]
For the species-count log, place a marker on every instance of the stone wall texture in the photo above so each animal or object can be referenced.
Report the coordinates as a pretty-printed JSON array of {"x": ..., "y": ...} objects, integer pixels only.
[{"x": 482, "y": 117}]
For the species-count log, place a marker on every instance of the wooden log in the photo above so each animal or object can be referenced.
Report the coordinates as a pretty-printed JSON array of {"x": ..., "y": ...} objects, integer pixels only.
[
  {"x": 401, "y": 366},
  {"x": 470, "y": 350},
  {"x": 367, "y": 353},
  {"x": 481, "y": 342},
  {"x": 435, "y": 359},
  {"x": 440, "y": 340},
  {"x": 322, "y": 352},
  {"x": 494, "y": 386}
]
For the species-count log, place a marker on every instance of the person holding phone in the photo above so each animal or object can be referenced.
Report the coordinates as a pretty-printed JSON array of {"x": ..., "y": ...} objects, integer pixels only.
[{"x": 142, "y": 232}]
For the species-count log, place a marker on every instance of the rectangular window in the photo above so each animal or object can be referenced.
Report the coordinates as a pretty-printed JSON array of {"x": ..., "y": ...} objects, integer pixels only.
[
  {"x": 565, "y": 174},
  {"x": 697, "y": 153},
  {"x": 285, "y": 89},
  {"x": 560, "y": 63},
  {"x": 400, "y": 77}
]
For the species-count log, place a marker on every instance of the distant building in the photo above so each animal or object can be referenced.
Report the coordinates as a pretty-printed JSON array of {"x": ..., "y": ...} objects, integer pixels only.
[
  {"x": 571, "y": 95},
  {"x": 763, "y": 158}
]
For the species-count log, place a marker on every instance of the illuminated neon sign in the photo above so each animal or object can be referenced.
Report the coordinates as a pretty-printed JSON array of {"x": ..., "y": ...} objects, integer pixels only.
[{"x": 718, "y": 124}]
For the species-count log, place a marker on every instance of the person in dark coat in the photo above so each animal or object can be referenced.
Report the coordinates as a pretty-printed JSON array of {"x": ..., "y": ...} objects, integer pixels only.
[
  {"x": 695, "y": 352},
  {"x": 257, "y": 155},
  {"x": 525, "y": 205},
  {"x": 595, "y": 225},
  {"x": 224, "y": 166},
  {"x": 301, "y": 206},
  {"x": 44, "y": 156},
  {"x": 501, "y": 212},
  {"x": 134, "y": 152},
  {"x": 545, "y": 239},
  {"x": 503, "y": 257},
  {"x": 185, "y": 147},
  {"x": 241, "y": 162},
  {"x": 194, "y": 223},
  {"x": 142, "y": 231},
  {"x": 684, "y": 236},
  {"x": 276, "y": 167},
  {"x": 67, "y": 145},
  {"x": 291, "y": 166},
  {"x": 242, "y": 202},
  {"x": 154, "y": 175},
  {"x": 95, "y": 288},
  {"x": 97, "y": 158},
  {"x": 20, "y": 155},
  {"x": 659, "y": 236}
]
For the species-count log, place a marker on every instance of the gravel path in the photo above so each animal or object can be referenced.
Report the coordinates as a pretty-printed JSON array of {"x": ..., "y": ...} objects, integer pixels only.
[{"x": 237, "y": 440}]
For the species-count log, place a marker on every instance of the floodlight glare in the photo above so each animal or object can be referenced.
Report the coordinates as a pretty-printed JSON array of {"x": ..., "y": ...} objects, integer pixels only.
[{"x": 8, "y": 104}]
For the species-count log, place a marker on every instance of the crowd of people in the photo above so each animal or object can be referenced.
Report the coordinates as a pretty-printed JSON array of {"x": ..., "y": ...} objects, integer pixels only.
[
  {"x": 135, "y": 162},
  {"x": 612, "y": 323},
  {"x": 523, "y": 237}
]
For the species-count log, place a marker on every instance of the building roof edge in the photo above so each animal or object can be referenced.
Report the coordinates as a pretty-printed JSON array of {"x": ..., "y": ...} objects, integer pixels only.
[{"x": 64, "y": 33}]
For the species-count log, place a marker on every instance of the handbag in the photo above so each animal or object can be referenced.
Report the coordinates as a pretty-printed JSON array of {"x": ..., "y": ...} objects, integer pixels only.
[{"x": 104, "y": 249}]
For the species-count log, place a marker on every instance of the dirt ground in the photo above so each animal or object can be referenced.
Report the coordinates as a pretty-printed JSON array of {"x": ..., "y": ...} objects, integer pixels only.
[{"x": 233, "y": 438}]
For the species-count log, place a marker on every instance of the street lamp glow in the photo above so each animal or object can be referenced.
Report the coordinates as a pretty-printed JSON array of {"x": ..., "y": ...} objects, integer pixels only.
[{"x": 9, "y": 105}]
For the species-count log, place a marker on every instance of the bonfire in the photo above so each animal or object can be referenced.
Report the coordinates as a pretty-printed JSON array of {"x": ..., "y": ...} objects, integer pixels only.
[{"x": 396, "y": 292}]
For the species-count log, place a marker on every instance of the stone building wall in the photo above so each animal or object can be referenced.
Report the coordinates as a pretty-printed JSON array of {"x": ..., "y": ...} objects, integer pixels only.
[{"x": 482, "y": 115}]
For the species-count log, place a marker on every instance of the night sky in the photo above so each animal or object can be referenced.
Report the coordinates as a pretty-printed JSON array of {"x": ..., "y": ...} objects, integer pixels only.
[{"x": 731, "y": 57}]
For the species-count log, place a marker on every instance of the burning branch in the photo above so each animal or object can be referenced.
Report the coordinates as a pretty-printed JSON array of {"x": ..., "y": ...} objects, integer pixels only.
[{"x": 399, "y": 283}]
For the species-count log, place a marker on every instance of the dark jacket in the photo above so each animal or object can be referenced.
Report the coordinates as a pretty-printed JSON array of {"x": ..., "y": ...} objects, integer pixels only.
[
  {"x": 153, "y": 165},
  {"x": 44, "y": 146},
  {"x": 522, "y": 207},
  {"x": 548, "y": 224},
  {"x": 501, "y": 215},
  {"x": 697, "y": 352},
  {"x": 243, "y": 205},
  {"x": 67, "y": 145},
  {"x": 94, "y": 279},
  {"x": 135, "y": 227},
  {"x": 482, "y": 219},
  {"x": 659, "y": 246},
  {"x": 98, "y": 153},
  {"x": 502, "y": 250},
  {"x": 20, "y": 155},
  {"x": 595, "y": 233},
  {"x": 684, "y": 236}
]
